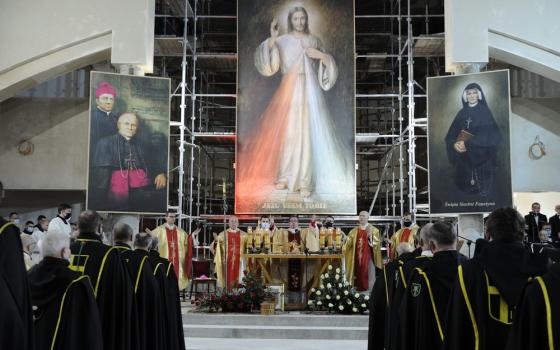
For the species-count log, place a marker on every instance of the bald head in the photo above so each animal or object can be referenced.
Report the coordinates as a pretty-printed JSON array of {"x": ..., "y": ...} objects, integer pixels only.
[
  {"x": 233, "y": 222},
  {"x": 127, "y": 125}
]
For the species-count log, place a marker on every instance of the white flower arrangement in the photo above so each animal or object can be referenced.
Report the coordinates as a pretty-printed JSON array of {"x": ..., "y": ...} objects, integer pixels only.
[
  {"x": 366, "y": 298},
  {"x": 313, "y": 290},
  {"x": 330, "y": 267},
  {"x": 329, "y": 286},
  {"x": 327, "y": 275},
  {"x": 318, "y": 292},
  {"x": 348, "y": 301},
  {"x": 319, "y": 303},
  {"x": 310, "y": 302},
  {"x": 346, "y": 292},
  {"x": 357, "y": 295},
  {"x": 337, "y": 270},
  {"x": 363, "y": 305},
  {"x": 322, "y": 286},
  {"x": 328, "y": 297},
  {"x": 340, "y": 285},
  {"x": 331, "y": 305},
  {"x": 338, "y": 297},
  {"x": 341, "y": 307},
  {"x": 337, "y": 276},
  {"x": 354, "y": 309}
]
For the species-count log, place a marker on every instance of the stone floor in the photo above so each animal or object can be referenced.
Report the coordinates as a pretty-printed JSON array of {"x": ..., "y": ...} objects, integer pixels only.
[{"x": 273, "y": 344}]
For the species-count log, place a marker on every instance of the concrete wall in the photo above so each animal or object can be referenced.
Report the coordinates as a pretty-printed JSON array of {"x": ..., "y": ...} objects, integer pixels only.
[
  {"x": 58, "y": 129},
  {"x": 530, "y": 119},
  {"x": 41, "y": 39},
  {"x": 520, "y": 32}
]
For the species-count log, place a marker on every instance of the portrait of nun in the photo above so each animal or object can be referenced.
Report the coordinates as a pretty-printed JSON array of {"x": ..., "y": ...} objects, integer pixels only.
[{"x": 472, "y": 143}]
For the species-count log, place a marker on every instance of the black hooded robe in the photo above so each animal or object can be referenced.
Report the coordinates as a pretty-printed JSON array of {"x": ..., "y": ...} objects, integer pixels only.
[
  {"x": 485, "y": 294},
  {"x": 16, "y": 319},
  {"x": 474, "y": 169},
  {"x": 66, "y": 314},
  {"x": 424, "y": 305},
  {"x": 169, "y": 288},
  {"x": 400, "y": 285},
  {"x": 111, "y": 286},
  {"x": 148, "y": 300},
  {"x": 537, "y": 321}
]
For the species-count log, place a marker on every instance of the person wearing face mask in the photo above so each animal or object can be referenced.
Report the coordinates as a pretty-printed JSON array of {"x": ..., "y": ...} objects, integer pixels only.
[
  {"x": 14, "y": 218},
  {"x": 66, "y": 315},
  {"x": 404, "y": 235},
  {"x": 28, "y": 228},
  {"x": 62, "y": 221}
]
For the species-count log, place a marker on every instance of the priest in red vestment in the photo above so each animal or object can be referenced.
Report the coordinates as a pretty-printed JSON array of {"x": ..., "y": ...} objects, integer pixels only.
[
  {"x": 404, "y": 235},
  {"x": 362, "y": 254},
  {"x": 173, "y": 245},
  {"x": 230, "y": 244}
]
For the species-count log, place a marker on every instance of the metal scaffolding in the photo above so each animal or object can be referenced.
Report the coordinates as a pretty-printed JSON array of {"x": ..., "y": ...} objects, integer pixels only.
[{"x": 386, "y": 176}]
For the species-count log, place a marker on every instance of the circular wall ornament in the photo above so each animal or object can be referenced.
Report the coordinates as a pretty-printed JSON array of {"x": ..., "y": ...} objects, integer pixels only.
[
  {"x": 537, "y": 149},
  {"x": 25, "y": 147}
]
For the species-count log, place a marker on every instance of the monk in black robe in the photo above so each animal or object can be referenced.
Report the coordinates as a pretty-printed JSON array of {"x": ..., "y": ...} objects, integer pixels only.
[
  {"x": 169, "y": 289},
  {"x": 147, "y": 296},
  {"x": 537, "y": 320},
  {"x": 489, "y": 286},
  {"x": 16, "y": 320},
  {"x": 66, "y": 314},
  {"x": 381, "y": 299},
  {"x": 472, "y": 143},
  {"x": 424, "y": 306},
  {"x": 109, "y": 278},
  {"x": 400, "y": 282},
  {"x": 128, "y": 172}
]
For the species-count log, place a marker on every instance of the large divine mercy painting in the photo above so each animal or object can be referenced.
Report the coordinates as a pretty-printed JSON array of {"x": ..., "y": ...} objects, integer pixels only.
[{"x": 295, "y": 150}]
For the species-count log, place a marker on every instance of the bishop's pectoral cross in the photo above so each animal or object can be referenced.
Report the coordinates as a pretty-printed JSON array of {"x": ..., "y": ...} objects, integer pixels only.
[
  {"x": 469, "y": 121},
  {"x": 130, "y": 161}
]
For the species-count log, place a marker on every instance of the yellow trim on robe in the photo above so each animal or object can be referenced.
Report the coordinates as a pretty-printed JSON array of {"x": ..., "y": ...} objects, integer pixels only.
[
  {"x": 469, "y": 307},
  {"x": 139, "y": 274},
  {"x": 549, "y": 330},
  {"x": 55, "y": 334},
  {"x": 101, "y": 270},
  {"x": 436, "y": 315},
  {"x": 182, "y": 242},
  {"x": 4, "y": 227},
  {"x": 349, "y": 251}
]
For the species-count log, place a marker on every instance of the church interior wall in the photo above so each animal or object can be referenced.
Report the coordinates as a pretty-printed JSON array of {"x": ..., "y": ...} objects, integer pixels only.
[
  {"x": 478, "y": 29},
  {"x": 121, "y": 30},
  {"x": 547, "y": 200},
  {"x": 529, "y": 121},
  {"x": 57, "y": 131}
]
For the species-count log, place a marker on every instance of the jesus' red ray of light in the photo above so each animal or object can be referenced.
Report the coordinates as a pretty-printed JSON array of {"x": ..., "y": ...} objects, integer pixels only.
[{"x": 258, "y": 156}]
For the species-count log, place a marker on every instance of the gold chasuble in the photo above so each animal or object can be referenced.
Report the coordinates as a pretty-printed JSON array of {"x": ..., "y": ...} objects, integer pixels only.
[
  {"x": 173, "y": 245},
  {"x": 358, "y": 246},
  {"x": 229, "y": 263},
  {"x": 404, "y": 235}
]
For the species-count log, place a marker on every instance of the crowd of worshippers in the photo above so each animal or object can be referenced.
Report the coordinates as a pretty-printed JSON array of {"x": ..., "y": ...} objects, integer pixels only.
[
  {"x": 85, "y": 294},
  {"x": 505, "y": 297}
]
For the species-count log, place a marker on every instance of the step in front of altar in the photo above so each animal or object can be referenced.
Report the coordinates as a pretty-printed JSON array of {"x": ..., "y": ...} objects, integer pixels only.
[{"x": 285, "y": 326}]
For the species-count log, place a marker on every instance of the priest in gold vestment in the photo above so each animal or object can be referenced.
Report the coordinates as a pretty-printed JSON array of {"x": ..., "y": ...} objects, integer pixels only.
[
  {"x": 405, "y": 235},
  {"x": 173, "y": 245},
  {"x": 230, "y": 245},
  {"x": 362, "y": 254}
]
